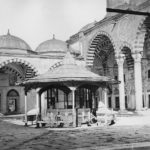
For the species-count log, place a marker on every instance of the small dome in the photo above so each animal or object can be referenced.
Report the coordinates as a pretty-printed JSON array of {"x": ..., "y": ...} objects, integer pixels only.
[
  {"x": 12, "y": 42},
  {"x": 51, "y": 46}
]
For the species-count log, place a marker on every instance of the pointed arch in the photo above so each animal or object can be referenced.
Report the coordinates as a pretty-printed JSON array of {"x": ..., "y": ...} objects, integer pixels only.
[
  {"x": 21, "y": 68},
  {"x": 125, "y": 44},
  {"x": 140, "y": 35},
  {"x": 95, "y": 44}
]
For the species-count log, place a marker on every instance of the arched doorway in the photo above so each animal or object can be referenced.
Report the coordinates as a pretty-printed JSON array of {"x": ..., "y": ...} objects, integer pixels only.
[{"x": 12, "y": 101}]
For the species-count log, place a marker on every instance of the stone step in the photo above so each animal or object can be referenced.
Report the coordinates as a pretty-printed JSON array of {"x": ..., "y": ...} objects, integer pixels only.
[
  {"x": 127, "y": 114},
  {"x": 19, "y": 116}
]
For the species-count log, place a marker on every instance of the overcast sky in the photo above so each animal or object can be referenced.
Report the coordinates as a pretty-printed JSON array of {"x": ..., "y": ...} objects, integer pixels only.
[{"x": 37, "y": 20}]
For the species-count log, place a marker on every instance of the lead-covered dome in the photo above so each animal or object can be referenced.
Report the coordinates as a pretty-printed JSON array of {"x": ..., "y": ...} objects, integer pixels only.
[
  {"x": 52, "y": 46},
  {"x": 12, "y": 42}
]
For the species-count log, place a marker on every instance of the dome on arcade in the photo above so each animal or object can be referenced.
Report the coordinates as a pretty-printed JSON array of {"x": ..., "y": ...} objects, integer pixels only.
[
  {"x": 52, "y": 46},
  {"x": 9, "y": 41}
]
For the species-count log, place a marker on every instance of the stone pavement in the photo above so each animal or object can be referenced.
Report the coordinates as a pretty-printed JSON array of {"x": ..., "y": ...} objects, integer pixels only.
[
  {"x": 90, "y": 138},
  {"x": 135, "y": 134}
]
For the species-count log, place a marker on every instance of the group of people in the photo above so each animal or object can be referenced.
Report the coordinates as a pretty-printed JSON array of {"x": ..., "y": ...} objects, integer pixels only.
[{"x": 60, "y": 123}]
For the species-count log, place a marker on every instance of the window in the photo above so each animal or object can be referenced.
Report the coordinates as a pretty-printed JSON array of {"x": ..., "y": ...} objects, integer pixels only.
[
  {"x": 52, "y": 97},
  {"x": 126, "y": 102},
  {"x": 109, "y": 102},
  {"x": 117, "y": 102},
  {"x": 148, "y": 74},
  {"x": 0, "y": 102},
  {"x": 149, "y": 100},
  {"x": 116, "y": 77},
  {"x": 124, "y": 78}
]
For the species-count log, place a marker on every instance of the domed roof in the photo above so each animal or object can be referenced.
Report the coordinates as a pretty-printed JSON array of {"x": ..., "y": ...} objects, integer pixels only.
[
  {"x": 53, "y": 45},
  {"x": 12, "y": 42}
]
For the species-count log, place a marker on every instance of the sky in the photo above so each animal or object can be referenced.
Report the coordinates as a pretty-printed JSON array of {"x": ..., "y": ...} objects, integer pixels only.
[{"x": 36, "y": 21}]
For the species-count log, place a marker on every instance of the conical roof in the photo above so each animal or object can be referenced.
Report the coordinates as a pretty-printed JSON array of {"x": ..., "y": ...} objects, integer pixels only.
[{"x": 69, "y": 71}]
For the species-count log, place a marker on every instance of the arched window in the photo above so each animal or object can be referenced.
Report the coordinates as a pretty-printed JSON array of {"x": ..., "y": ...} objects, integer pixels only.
[{"x": 12, "y": 98}]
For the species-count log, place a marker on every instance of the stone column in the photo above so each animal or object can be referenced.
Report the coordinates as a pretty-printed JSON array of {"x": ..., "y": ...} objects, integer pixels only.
[
  {"x": 120, "y": 62},
  {"x": 38, "y": 105},
  {"x": 112, "y": 101},
  {"x": 26, "y": 120},
  {"x": 43, "y": 105},
  {"x": 138, "y": 80},
  {"x": 40, "y": 108},
  {"x": 37, "y": 99},
  {"x": 105, "y": 98},
  {"x": 73, "y": 105}
]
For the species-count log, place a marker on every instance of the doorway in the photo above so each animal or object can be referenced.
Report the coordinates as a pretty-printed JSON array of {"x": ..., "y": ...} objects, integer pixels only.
[
  {"x": 149, "y": 101},
  {"x": 117, "y": 103},
  {"x": 126, "y": 102},
  {"x": 0, "y": 103},
  {"x": 12, "y": 101},
  {"x": 109, "y": 102}
]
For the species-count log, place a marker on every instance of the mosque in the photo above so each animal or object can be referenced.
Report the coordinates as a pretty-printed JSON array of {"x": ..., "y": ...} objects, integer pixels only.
[{"x": 117, "y": 47}]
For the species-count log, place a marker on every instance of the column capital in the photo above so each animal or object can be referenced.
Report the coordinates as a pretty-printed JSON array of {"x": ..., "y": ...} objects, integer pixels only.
[
  {"x": 105, "y": 89},
  {"x": 137, "y": 57},
  {"x": 120, "y": 59},
  {"x": 38, "y": 89},
  {"x": 72, "y": 88}
]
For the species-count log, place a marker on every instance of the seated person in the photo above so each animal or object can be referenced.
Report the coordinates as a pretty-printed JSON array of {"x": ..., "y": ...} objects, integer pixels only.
[
  {"x": 94, "y": 112},
  {"x": 93, "y": 118},
  {"x": 59, "y": 120}
]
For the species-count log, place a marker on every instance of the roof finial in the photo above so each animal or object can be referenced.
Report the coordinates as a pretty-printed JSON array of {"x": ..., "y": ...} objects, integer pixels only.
[
  {"x": 8, "y": 33},
  {"x": 53, "y": 36}
]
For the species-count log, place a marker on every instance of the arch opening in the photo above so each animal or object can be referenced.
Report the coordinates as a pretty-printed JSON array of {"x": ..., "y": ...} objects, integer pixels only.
[
  {"x": 17, "y": 71},
  {"x": 104, "y": 55},
  {"x": 146, "y": 46},
  {"x": 12, "y": 102},
  {"x": 128, "y": 58}
]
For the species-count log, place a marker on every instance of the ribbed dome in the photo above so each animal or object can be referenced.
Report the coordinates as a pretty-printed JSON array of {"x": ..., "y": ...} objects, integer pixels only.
[
  {"x": 53, "y": 45},
  {"x": 12, "y": 42}
]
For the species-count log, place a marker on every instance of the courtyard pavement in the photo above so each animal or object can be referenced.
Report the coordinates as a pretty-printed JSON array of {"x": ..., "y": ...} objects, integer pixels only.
[{"x": 128, "y": 133}]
